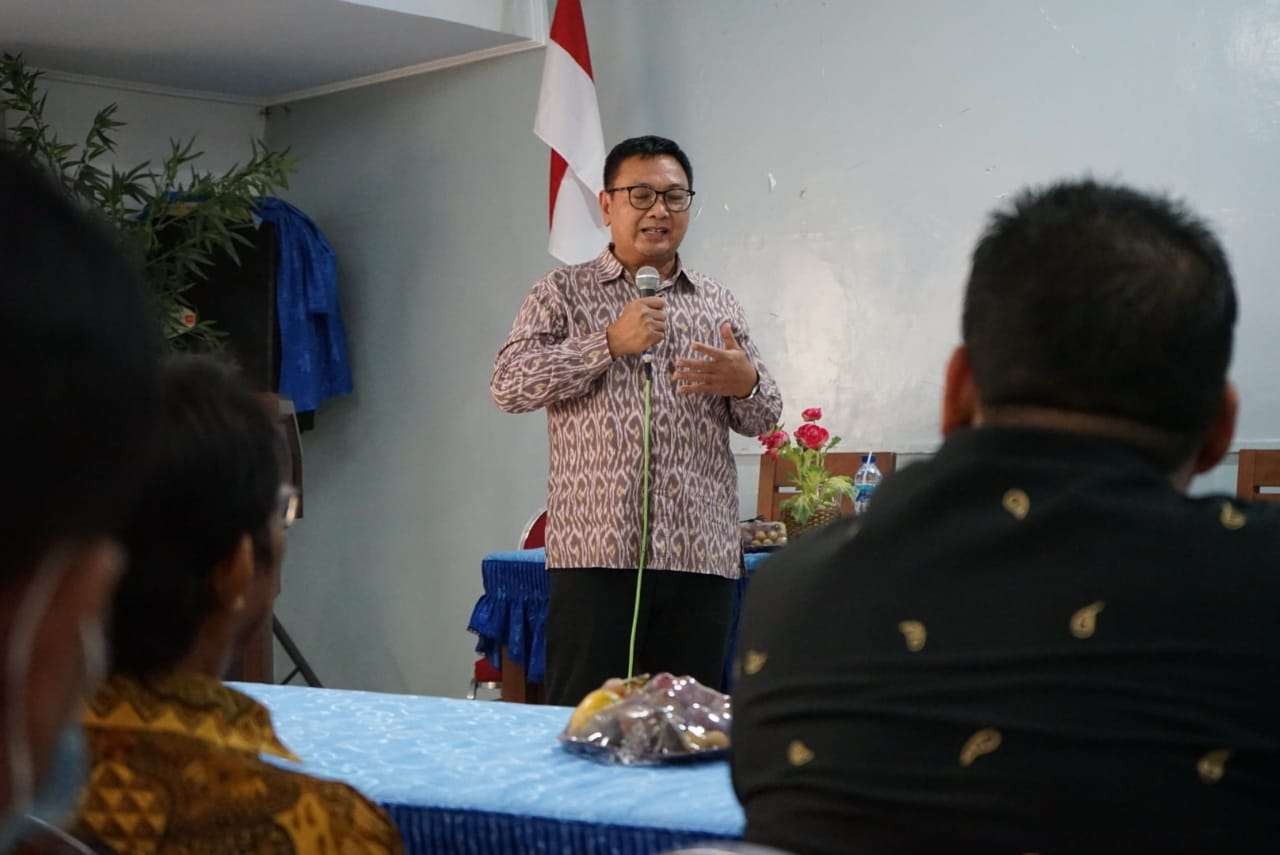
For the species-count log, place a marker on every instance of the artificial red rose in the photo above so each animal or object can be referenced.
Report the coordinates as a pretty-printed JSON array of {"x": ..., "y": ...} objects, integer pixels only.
[
  {"x": 774, "y": 438},
  {"x": 773, "y": 441},
  {"x": 812, "y": 414},
  {"x": 812, "y": 436}
]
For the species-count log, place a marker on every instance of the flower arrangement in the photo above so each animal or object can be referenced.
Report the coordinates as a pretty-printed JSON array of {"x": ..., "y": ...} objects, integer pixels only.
[{"x": 817, "y": 489}]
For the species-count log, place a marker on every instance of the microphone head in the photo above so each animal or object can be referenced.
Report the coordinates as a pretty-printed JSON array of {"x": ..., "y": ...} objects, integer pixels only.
[{"x": 647, "y": 281}]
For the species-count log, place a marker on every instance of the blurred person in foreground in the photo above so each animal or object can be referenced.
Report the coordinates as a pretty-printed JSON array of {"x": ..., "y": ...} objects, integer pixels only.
[
  {"x": 78, "y": 356},
  {"x": 1036, "y": 641},
  {"x": 205, "y": 545}
]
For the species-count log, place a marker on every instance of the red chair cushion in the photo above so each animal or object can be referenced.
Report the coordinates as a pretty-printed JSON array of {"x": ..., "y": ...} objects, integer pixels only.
[
  {"x": 537, "y": 534},
  {"x": 486, "y": 673}
]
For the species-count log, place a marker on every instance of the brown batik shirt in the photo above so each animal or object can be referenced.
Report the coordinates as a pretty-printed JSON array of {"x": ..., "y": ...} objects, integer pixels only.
[
  {"x": 557, "y": 357},
  {"x": 175, "y": 768}
]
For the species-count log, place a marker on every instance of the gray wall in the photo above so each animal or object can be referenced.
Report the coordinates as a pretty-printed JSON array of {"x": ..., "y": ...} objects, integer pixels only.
[{"x": 887, "y": 128}]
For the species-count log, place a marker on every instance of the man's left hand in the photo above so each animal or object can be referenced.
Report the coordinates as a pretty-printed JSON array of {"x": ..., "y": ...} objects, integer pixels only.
[{"x": 725, "y": 372}]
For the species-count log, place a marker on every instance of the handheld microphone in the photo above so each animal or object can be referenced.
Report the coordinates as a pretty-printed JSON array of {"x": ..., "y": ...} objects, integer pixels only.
[{"x": 647, "y": 281}]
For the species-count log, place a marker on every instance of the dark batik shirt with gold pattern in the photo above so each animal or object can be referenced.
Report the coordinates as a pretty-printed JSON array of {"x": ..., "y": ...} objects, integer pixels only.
[
  {"x": 175, "y": 768},
  {"x": 1032, "y": 643}
]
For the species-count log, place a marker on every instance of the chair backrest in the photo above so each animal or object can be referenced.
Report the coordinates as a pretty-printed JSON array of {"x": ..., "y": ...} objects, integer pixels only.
[
  {"x": 535, "y": 531},
  {"x": 775, "y": 478},
  {"x": 1259, "y": 470}
]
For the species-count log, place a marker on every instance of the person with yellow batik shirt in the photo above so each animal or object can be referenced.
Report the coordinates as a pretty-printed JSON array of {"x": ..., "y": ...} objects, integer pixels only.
[
  {"x": 175, "y": 761},
  {"x": 176, "y": 768}
]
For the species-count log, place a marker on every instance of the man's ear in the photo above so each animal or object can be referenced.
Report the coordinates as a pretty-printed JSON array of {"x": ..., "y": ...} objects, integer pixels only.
[
  {"x": 606, "y": 206},
  {"x": 959, "y": 395},
  {"x": 63, "y": 666},
  {"x": 233, "y": 576},
  {"x": 1217, "y": 439}
]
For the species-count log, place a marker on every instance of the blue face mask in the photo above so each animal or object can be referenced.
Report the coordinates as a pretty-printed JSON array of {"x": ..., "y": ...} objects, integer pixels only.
[{"x": 57, "y": 796}]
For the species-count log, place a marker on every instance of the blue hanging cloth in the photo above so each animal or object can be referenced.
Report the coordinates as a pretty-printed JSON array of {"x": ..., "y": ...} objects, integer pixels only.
[{"x": 313, "y": 342}]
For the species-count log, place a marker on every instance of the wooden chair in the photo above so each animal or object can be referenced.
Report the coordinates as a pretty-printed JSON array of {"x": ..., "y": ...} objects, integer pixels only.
[
  {"x": 775, "y": 478},
  {"x": 1258, "y": 470}
]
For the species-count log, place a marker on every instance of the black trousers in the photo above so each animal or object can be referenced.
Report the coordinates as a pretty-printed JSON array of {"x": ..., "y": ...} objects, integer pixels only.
[{"x": 683, "y": 627}]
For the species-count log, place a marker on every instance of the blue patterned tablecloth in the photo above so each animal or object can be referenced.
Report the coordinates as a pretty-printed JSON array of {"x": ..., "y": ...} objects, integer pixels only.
[
  {"x": 512, "y": 611},
  {"x": 484, "y": 777}
]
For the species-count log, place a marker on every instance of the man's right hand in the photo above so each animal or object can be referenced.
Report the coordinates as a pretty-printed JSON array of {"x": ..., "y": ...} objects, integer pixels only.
[{"x": 642, "y": 324}]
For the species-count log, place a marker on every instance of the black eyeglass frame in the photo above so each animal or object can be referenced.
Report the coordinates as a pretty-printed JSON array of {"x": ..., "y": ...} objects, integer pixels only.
[{"x": 631, "y": 188}]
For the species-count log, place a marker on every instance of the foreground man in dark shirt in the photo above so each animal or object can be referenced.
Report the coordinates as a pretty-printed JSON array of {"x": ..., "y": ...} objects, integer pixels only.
[{"x": 1037, "y": 642}]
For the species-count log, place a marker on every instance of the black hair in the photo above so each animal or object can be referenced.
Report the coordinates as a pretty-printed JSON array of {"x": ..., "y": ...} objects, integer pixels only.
[
  {"x": 213, "y": 476},
  {"x": 78, "y": 357},
  {"x": 646, "y": 146},
  {"x": 1099, "y": 299}
]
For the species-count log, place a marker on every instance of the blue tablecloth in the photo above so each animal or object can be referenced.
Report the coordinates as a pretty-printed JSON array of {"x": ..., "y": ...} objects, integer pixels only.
[
  {"x": 512, "y": 612},
  {"x": 482, "y": 777}
]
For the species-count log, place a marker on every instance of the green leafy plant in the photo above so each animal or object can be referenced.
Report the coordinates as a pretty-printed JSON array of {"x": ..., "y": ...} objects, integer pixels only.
[
  {"x": 173, "y": 219},
  {"x": 816, "y": 487}
]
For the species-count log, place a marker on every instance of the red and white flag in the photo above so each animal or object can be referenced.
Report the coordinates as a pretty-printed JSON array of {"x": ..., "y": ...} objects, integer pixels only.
[{"x": 568, "y": 120}]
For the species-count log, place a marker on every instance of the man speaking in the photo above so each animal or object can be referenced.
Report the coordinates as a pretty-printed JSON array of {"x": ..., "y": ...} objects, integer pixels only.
[{"x": 628, "y": 380}]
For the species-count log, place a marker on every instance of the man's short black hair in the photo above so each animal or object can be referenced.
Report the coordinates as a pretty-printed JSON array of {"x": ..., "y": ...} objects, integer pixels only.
[
  {"x": 1098, "y": 299},
  {"x": 78, "y": 356},
  {"x": 214, "y": 475},
  {"x": 646, "y": 146}
]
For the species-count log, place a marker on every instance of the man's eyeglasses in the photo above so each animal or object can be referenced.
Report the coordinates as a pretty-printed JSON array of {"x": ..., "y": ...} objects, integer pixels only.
[
  {"x": 643, "y": 197},
  {"x": 287, "y": 502}
]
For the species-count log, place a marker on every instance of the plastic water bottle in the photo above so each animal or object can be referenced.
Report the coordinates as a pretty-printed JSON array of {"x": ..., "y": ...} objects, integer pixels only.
[{"x": 865, "y": 481}]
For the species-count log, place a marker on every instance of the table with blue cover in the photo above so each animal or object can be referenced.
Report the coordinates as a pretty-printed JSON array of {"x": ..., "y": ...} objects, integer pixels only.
[
  {"x": 481, "y": 777},
  {"x": 512, "y": 612}
]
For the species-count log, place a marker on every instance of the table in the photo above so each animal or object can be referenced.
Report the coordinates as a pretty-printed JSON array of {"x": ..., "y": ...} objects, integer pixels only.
[
  {"x": 510, "y": 618},
  {"x": 481, "y": 777}
]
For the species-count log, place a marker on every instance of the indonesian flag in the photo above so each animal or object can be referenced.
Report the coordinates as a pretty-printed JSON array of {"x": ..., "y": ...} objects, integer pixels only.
[{"x": 568, "y": 120}]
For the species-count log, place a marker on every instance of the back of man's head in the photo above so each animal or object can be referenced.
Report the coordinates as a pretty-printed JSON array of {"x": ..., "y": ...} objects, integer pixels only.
[
  {"x": 77, "y": 369},
  {"x": 213, "y": 477},
  {"x": 1096, "y": 299}
]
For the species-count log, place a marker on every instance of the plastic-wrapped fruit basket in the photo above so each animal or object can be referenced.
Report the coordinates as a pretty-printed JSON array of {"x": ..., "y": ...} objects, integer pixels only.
[
  {"x": 665, "y": 719},
  {"x": 762, "y": 535}
]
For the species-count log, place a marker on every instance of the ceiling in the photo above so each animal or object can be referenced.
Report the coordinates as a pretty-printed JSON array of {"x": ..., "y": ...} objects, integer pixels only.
[{"x": 262, "y": 51}]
